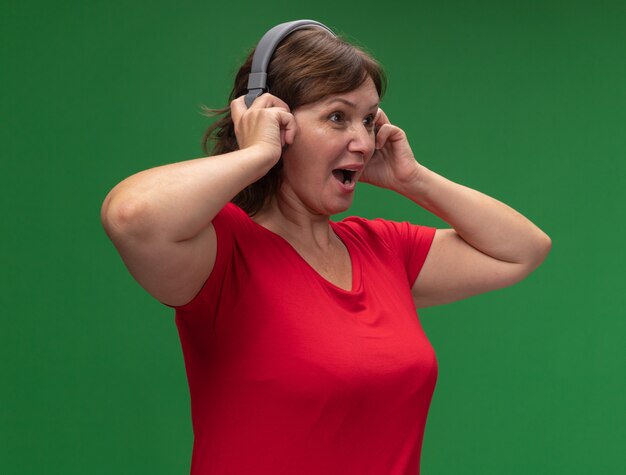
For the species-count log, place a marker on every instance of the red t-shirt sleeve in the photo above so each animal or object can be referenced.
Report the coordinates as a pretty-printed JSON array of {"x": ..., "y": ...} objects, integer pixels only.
[
  {"x": 409, "y": 242},
  {"x": 209, "y": 293}
]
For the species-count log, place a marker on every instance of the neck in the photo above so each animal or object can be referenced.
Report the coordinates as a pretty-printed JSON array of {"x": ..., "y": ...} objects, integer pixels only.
[{"x": 297, "y": 224}]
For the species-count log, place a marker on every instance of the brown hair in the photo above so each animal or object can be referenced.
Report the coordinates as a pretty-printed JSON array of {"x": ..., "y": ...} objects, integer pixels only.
[{"x": 307, "y": 66}]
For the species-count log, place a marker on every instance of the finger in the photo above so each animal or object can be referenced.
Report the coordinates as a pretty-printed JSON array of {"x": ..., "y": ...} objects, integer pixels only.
[
  {"x": 386, "y": 132},
  {"x": 237, "y": 108},
  {"x": 268, "y": 100},
  {"x": 381, "y": 118},
  {"x": 382, "y": 135},
  {"x": 288, "y": 127}
]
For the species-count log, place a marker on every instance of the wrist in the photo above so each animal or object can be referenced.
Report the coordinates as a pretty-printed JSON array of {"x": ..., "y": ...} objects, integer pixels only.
[
  {"x": 415, "y": 185},
  {"x": 257, "y": 160}
]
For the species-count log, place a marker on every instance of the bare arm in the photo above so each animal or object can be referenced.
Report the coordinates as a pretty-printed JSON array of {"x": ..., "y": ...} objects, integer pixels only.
[
  {"x": 490, "y": 244},
  {"x": 160, "y": 219}
]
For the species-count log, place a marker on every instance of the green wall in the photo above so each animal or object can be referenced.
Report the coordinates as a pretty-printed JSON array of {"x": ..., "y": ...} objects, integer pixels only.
[{"x": 525, "y": 101}]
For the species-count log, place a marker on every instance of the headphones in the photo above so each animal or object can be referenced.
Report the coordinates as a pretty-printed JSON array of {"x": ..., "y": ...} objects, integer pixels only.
[{"x": 257, "y": 81}]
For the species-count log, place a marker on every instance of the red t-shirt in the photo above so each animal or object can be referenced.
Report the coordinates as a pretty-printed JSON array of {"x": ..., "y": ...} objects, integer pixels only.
[{"x": 290, "y": 374}]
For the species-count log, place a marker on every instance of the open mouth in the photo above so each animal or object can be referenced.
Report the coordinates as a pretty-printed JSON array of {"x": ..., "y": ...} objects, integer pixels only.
[{"x": 344, "y": 176}]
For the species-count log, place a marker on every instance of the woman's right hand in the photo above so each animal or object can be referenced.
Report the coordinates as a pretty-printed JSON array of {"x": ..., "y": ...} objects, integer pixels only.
[{"x": 267, "y": 125}]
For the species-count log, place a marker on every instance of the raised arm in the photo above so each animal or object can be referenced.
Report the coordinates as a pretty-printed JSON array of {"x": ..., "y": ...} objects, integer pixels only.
[
  {"x": 160, "y": 219},
  {"x": 490, "y": 244}
]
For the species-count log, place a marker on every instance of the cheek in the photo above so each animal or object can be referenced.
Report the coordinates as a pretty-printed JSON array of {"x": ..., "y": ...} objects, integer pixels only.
[{"x": 314, "y": 149}]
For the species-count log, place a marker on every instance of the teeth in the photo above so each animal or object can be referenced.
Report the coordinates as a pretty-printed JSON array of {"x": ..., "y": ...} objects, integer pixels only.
[{"x": 345, "y": 175}]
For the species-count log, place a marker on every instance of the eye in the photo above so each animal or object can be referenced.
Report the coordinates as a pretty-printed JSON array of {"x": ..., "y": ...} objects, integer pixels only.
[
  {"x": 368, "y": 122},
  {"x": 337, "y": 117}
]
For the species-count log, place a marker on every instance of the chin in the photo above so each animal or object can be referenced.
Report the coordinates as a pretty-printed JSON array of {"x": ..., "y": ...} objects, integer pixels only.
[{"x": 339, "y": 208}]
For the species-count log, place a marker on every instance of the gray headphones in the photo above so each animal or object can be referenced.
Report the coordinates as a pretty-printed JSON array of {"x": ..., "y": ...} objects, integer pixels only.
[{"x": 257, "y": 81}]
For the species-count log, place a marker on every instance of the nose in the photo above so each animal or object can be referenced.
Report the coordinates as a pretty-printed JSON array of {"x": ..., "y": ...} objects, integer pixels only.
[{"x": 362, "y": 140}]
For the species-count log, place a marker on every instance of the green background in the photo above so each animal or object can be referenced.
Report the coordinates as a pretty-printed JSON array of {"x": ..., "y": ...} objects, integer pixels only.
[{"x": 525, "y": 101}]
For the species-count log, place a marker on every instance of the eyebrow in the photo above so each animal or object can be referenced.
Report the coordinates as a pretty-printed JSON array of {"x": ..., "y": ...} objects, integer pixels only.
[{"x": 349, "y": 103}]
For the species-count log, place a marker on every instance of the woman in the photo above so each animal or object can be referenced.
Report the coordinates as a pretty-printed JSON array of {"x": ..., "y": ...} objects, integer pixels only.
[{"x": 302, "y": 345}]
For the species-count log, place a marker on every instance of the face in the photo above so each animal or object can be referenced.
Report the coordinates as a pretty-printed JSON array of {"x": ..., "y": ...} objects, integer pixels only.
[{"x": 333, "y": 143}]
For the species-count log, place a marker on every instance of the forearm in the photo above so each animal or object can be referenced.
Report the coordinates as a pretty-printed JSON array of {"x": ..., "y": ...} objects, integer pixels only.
[
  {"x": 483, "y": 222},
  {"x": 175, "y": 202}
]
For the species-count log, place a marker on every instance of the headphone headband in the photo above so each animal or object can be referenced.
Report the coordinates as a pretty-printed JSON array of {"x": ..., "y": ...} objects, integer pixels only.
[{"x": 257, "y": 81}]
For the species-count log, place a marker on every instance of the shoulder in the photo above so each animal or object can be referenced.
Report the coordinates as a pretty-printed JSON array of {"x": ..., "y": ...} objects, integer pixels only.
[
  {"x": 231, "y": 214},
  {"x": 364, "y": 226},
  {"x": 232, "y": 222},
  {"x": 229, "y": 225},
  {"x": 392, "y": 241},
  {"x": 392, "y": 233}
]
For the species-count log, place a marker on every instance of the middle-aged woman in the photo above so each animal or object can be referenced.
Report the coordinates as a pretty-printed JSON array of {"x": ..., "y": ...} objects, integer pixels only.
[{"x": 302, "y": 345}]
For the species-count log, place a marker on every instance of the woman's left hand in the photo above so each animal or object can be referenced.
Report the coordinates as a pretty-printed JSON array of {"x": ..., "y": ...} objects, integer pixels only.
[{"x": 393, "y": 165}]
